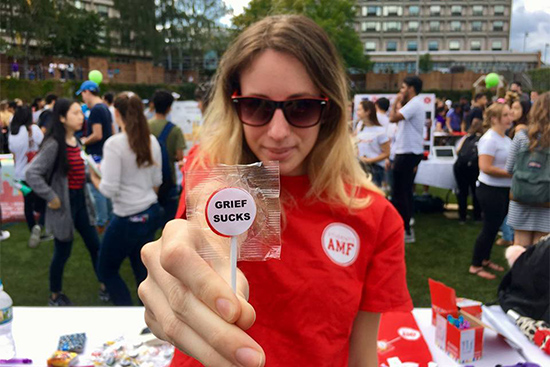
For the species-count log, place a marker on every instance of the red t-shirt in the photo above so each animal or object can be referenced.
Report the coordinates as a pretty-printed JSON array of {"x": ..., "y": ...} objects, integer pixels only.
[
  {"x": 77, "y": 173},
  {"x": 333, "y": 264}
]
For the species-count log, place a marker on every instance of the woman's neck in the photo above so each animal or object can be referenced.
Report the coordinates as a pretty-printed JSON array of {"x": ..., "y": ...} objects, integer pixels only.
[
  {"x": 367, "y": 122},
  {"x": 499, "y": 130},
  {"x": 69, "y": 137}
]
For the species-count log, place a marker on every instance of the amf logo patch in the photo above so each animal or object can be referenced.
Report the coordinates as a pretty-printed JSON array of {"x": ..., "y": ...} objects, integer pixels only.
[{"x": 340, "y": 243}]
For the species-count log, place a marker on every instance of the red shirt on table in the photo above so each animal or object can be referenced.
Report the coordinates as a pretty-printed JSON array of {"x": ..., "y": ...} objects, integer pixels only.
[
  {"x": 77, "y": 173},
  {"x": 333, "y": 264}
]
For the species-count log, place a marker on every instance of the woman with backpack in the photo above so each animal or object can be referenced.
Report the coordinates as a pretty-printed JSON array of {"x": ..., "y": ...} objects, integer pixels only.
[
  {"x": 24, "y": 142},
  {"x": 131, "y": 172},
  {"x": 493, "y": 187},
  {"x": 529, "y": 162},
  {"x": 466, "y": 171},
  {"x": 57, "y": 175}
]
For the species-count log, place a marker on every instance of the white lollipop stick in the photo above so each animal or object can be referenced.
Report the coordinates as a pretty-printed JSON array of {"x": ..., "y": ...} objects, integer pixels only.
[
  {"x": 230, "y": 212},
  {"x": 233, "y": 259}
]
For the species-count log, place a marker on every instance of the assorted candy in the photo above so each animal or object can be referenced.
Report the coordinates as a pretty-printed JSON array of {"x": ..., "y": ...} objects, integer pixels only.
[
  {"x": 123, "y": 353},
  {"x": 72, "y": 343},
  {"x": 459, "y": 322}
]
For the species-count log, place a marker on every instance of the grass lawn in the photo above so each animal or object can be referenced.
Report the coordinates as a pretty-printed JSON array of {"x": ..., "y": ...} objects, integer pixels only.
[{"x": 442, "y": 251}]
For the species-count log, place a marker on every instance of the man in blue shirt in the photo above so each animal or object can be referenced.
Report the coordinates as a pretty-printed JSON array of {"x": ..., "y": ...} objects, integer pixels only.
[{"x": 98, "y": 130}]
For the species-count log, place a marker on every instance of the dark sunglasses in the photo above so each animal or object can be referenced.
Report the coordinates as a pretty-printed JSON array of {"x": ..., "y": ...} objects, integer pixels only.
[{"x": 299, "y": 112}]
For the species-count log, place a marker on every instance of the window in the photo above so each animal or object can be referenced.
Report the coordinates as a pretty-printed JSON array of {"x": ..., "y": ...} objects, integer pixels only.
[
  {"x": 477, "y": 26},
  {"x": 499, "y": 9},
  {"x": 373, "y": 11},
  {"x": 391, "y": 46},
  {"x": 392, "y": 27},
  {"x": 370, "y": 26},
  {"x": 412, "y": 46},
  {"x": 498, "y": 25},
  {"x": 103, "y": 11},
  {"x": 433, "y": 46},
  {"x": 435, "y": 25},
  {"x": 414, "y": 10},
  {"x": 392, "y": 11},
  {"x": 454, "y": 45},
  {"x": 435, "y": 10},
  {"x": 456, "y": 10},
  {"x": 496, "y": 46},
  {"x": 477, "y": 10},
  {"x": 413, "y": 25},
  {"x": 370, "y": 46},
  {"x": 456, "y": 26},
  {"x": 475, "y": 45}
]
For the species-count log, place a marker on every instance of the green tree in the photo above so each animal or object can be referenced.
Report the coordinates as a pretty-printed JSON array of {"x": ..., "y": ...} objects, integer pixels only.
[
  {"x": 425, "y": 63},
  {"x": 336, "y": 17}
]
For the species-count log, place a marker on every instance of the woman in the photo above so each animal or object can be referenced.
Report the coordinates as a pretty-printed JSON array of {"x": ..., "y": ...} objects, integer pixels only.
[
  {"x": 531, "y": 222},
  {"x": 5, "y": 119},
  {"x": 493, "y": 187},
  {"x": 57, "y": 175},
  {"x": 131, "y": 174},
  {"x": 24, "y": 142},
  {"x": 453, "y": 119},
  {"x": 466, "y": 171},
  {"x": 373, "y": 143},
  {"x": 280, "y": 94},
  {"x": 520, "y": 111}
]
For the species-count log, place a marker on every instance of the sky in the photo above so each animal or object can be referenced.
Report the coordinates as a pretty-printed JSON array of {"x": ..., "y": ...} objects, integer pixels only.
[{"x": 532, "y": 16}]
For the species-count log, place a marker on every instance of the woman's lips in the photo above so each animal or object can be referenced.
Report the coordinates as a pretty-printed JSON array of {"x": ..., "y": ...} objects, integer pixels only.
[{"x": 278, "y": 154}]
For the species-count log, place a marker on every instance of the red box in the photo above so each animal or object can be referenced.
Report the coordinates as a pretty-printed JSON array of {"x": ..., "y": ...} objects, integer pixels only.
[{"x": 463, "y": 346}]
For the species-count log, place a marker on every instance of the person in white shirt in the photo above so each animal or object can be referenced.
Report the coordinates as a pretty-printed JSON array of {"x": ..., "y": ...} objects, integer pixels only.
[
  {"x": 382, "y": 107},
  {"x": 493, "y": 188},
  {"x": 24, "y": 143},
  {"x": 108, "y": 98},
  {"x": 131, "y": 172},
  {"x": 372, "y": 143},
  {"x": 408, "y": 112}
]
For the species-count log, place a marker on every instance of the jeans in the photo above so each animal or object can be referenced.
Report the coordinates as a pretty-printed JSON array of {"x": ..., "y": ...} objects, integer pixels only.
[
  {"x": 494, "y": 203},
  {"x": 404, "y": 170},
  {"x": 62, "y": 249},
  {"x": 507, "y": 231},
  {"x": 170, "y": 206},
  {"x": 378, "y": 174},
  {"x": 124, "y": 237},
  {"x": 466, "y": 179},
  {"x": 103, "y": 207},
  {"x": 33, "y": 204}
]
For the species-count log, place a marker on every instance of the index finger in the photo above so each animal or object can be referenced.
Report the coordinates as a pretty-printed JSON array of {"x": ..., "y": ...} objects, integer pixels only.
[{"x": 184, "y": 263}]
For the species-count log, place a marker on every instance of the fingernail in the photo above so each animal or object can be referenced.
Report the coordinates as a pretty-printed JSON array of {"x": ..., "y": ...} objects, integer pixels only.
[
  {"x": 225, "y": 308},
  {"x": 249, "y": 357}
]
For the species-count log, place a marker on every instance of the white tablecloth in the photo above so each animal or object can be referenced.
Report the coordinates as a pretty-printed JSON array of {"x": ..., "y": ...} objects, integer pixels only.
[
  {"x": 36, "y": 331},
  {"x": 437, "y": 173}
]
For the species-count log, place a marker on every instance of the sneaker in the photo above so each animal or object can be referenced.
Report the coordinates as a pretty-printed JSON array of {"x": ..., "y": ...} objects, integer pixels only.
[
  {"x": 104, "y": 295},
  {"x": 409, "y": 237},
  {"x": 46, "y": 237},
  {"x": 411, "y": 222},
  {"x": 34, "y": 240},
  {"x": 4, "y": 235},
  {"x": 61, "y": 300}
]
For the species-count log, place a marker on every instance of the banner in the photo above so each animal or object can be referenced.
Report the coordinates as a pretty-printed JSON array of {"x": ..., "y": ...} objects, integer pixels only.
[
  {"x": 11, "y": 199},
  {"x": 188, "y": 116}
]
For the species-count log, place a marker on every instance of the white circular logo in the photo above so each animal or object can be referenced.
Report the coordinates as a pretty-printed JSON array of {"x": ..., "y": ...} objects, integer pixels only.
[
  {"x": 408, "y": 333},
  {"x": 341, "y": 243},
  {"x": 230, "y": 212}
]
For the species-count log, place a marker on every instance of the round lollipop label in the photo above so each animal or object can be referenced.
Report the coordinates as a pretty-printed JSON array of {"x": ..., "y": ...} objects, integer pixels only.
[{"x": 230, "y": 212}]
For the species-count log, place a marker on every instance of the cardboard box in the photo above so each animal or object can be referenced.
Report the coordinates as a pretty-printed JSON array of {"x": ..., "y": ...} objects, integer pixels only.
[{"x": 463, "y": 346}]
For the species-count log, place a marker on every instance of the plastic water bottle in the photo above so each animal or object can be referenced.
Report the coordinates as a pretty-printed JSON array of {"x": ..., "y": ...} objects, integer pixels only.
[{"x": 7, "y": 345}]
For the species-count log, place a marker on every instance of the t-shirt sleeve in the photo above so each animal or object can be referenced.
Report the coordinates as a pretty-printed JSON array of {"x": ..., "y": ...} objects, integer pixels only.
[
  {"x": 382, "y": 138},
  {"x": 182, "y": 207},
  {"x": 179, "y": 139},
  {"x": 487, "y": 147},
  {"x": 96, "y": 117},
  {"x": 409, "y": 109},
  {"x": 385, "y": 284}
]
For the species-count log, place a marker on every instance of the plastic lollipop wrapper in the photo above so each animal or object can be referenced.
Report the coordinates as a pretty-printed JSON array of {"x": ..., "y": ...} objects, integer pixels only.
[{"x": 234, "y": 212}]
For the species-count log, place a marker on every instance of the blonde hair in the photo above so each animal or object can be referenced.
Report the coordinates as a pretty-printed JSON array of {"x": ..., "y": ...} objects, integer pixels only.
[
  {"x": 332, "y": 166},
  {"x": 495, "y": 110},
  {"x": 539, "y": 123}
]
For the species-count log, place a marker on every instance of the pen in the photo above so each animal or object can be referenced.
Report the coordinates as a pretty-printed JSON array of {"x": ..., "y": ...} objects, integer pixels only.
[{"x": 16, "y": 361}]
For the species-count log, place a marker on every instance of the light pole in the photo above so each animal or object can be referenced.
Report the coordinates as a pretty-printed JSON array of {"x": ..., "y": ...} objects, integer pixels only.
[
  {"x": 418, "y": 39},
  {"x": 525, "y": 40},
  {"x": 545, "y": 50}
]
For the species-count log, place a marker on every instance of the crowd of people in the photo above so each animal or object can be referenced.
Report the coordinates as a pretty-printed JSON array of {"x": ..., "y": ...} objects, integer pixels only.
[{"x": 280, "y": 93}]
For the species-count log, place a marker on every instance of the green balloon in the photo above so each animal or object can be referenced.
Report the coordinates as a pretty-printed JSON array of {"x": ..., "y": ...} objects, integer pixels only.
[
  {"x": 492, "y": 80},
  {"x": 95, "y": 76}
]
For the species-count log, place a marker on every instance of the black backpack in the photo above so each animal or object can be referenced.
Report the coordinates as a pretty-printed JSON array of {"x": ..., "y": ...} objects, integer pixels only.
[
  {"x": 468, "y": 156},
  {"x": 526, "y": 287},
  {"x": 167, "y": 185}
]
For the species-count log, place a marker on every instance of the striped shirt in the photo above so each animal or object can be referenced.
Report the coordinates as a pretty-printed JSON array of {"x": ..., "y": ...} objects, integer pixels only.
[{"x": 77, "y": 175}]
